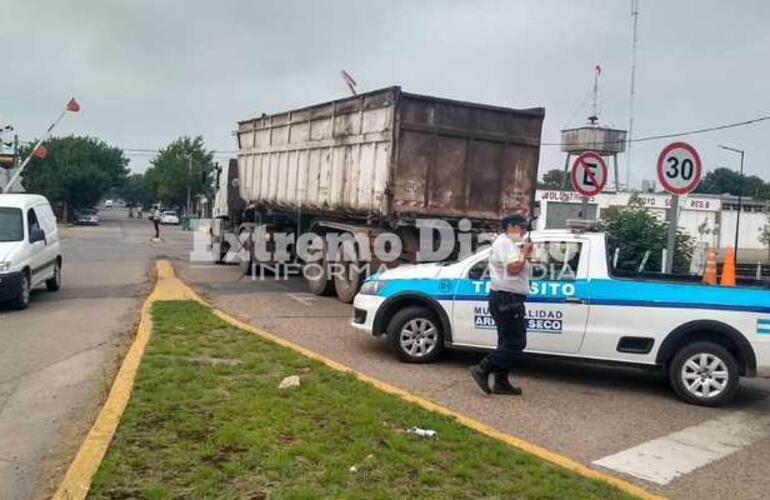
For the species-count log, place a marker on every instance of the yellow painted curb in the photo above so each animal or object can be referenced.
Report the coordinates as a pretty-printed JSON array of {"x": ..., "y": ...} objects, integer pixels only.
[{"x": 77, "y": 481}]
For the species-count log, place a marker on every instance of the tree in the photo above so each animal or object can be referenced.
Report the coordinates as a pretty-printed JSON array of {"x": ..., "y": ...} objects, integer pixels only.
[
  {"x": 183, "y": 164},
  {"x": 77, "y": 171},
  {"x": 137, "y": 190},
  {"x": 764, "y": 232},
  {"x": 725, "y": 180},
  {"x": 554, "y": 179},
  {"x": 635, "y": 230}
]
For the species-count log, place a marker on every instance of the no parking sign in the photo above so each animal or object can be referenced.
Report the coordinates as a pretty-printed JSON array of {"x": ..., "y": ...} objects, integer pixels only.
[{"x": 589, "y": 174}]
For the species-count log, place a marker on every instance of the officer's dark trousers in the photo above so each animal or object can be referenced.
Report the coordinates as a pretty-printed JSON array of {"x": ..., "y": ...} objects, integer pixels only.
[{"x": 507, "y": 309}]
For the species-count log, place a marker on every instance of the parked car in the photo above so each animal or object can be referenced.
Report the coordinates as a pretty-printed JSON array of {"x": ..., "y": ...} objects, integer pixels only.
[
  {"x": 169, "y": 217},
  {"x": 86, "y": 217},
  {"x": 30, "y": 253}
]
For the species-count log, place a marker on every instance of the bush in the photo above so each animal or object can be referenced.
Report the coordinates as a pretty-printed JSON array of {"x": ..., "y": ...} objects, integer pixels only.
[{"x": 635, "y": 230}]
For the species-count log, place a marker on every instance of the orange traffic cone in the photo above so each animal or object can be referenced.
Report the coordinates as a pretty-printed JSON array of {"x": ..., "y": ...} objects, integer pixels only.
[
  {"x": 710, "y": 273},
  {"x": 728, "y": 268}
]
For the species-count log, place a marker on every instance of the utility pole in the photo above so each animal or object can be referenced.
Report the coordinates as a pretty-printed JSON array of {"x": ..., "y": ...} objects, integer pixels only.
[
  {"x": 632, "y": 91},
  {"x": 740, "y": 197},
  {"x": 189, "y": 177}
]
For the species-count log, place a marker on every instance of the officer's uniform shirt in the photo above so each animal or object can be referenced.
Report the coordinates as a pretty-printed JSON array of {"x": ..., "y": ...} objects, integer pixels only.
[{"x": 505, "y": 252}]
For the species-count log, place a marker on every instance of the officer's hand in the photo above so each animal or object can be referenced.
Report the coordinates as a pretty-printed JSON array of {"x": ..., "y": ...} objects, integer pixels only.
[{"x": 526, "y": 249}]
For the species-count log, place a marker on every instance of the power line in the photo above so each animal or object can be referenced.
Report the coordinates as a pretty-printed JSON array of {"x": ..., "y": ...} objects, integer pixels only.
[{"x": 671, "y": 135}]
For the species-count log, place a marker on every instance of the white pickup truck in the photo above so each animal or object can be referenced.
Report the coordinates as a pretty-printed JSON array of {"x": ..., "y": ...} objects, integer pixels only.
[{"x": 705, "y": 337}]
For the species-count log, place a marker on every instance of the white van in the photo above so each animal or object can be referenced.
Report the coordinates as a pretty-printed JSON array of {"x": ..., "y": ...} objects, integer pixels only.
[{"x": 30, "y": 253}]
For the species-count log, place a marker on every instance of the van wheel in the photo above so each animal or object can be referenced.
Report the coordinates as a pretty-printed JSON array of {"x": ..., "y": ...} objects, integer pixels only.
[
  {"x": 415, "y": 335},
  {"x": 53, "y": 284},
  {"x": 22, "y": 299},
  {"x": 704, "y": 373}
]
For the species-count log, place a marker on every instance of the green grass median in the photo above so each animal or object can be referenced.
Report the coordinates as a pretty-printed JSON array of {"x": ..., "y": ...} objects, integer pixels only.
[{"x": 206, "y": 419}]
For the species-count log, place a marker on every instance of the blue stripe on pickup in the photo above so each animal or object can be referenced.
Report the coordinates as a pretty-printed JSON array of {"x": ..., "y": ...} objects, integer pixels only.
[{"x": 606, "y": 292}]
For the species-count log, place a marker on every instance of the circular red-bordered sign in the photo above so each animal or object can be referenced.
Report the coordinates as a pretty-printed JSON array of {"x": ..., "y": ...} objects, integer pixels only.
[
  {"x": 679, "y": 168},
  {"x": 589, "y": 174}
]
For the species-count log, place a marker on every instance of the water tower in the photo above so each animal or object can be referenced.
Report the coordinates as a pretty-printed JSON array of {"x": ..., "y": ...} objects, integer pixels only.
[{"x": 608, "y": 142}]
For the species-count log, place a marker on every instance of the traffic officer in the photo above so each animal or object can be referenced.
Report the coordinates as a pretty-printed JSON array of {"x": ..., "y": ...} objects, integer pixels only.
[{"x": 509, "y": 273}]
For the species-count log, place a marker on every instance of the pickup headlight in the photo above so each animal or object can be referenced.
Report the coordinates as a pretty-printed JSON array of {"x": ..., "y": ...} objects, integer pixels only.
[
  {"x": 371, "y": 287},
  {"x": 4, "y": 266}
]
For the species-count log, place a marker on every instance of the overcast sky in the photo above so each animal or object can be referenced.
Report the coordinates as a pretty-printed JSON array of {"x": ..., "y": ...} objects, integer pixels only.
[{"x": 146, "y": 72}]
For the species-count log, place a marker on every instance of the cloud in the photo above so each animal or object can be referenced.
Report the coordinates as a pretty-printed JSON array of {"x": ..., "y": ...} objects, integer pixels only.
[{"x": 149, "y": 71}]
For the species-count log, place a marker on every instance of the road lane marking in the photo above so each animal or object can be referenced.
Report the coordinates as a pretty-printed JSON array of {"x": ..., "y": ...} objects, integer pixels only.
[
  {"x": 306, "y": 299},
  {"x": 664, "y": 459},
  {"x": 77, "y": 480}
]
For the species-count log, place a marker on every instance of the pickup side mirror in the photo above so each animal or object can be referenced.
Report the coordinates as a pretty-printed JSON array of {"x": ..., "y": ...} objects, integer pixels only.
[{"x": 36, "y": 235}]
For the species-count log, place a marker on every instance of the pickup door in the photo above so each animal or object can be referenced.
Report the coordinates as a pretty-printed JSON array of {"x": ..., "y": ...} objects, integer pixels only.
[{"x": 557, "y": 307}]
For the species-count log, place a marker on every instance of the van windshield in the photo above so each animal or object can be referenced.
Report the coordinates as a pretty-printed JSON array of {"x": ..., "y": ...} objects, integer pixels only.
[{"x": 11, "y": 226}]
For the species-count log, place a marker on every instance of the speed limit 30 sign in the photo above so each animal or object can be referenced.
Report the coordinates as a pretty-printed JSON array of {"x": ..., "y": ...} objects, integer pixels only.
[{"x": 679, "y": 168}]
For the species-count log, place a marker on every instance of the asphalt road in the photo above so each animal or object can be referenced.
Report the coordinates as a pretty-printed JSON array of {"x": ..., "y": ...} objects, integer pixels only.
[{"x": 57, "y": 359}]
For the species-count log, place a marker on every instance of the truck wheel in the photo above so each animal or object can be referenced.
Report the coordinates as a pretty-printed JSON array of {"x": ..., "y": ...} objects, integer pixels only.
[
  {"x": 348, "y": 277},
  {"x": 704, "y": 373},
  {"x": 53, "y": 284},
  {"x": 415, "y": 335},
  {"x": 318, "y": 278},
  {"x": 25, "y": 287},
  {"x": 316, "y": 269},
  {"x": 248, "y": 248}
]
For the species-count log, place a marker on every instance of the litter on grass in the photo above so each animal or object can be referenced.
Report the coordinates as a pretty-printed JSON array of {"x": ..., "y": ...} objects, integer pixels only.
[
  {"x": 427, "y": 433},
  {"x": 291, "y": 381}
]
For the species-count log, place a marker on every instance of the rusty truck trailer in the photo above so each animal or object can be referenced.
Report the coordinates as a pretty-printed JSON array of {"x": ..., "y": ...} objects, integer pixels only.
[
  {"x": 389, "y": 154},
  {"x": 382, "y": 160}
]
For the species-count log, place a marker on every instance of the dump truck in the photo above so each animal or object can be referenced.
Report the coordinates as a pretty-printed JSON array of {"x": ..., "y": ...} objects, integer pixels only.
[{"x": 381, "y": 161}]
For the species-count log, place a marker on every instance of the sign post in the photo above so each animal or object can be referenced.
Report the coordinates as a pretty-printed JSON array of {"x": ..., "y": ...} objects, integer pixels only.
[
  {"x": 589, "y": 176},
  {"x": 679, "y": 172}
]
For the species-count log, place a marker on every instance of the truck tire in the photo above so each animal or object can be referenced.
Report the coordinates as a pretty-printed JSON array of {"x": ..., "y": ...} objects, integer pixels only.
[
  {"x": 248, "y": 246},
  {"x": 318, "y": 279},
  {"x": 704, "y": 373},
  {"x": 414, "y": 334},
  {"x": 348, "y": 278}
]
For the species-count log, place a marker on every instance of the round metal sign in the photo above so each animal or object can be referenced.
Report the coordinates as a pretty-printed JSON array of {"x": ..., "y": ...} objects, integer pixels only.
[
  {"x": 589, "y": 174},
  {"x": 679, "y": 168}
]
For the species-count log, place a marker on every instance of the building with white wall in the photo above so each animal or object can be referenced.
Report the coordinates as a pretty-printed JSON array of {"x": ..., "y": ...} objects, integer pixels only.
[{"x": 710, "y": 219}]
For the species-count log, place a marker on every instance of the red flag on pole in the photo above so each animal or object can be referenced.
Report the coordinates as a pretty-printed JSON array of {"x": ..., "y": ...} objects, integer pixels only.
[
  {"x": 349, "y": 81},
  {"x": 73, "y": 106},
  {"x": 41, "y": 152}
]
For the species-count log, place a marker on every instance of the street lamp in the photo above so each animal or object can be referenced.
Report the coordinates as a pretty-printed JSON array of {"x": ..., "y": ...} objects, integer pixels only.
[
  {"x": 740, "y": 197},
  {"x": 189, "y": 175}
]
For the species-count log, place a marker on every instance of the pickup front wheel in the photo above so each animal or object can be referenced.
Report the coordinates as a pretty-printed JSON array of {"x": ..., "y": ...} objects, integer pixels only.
[
  {"x": 704, "y": 373},
  {"x": 414, "y": 334}
]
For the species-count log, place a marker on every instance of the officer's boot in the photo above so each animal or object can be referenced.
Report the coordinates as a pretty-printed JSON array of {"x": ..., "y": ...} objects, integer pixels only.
[
  {"x": 480, "y": 374},
  {"x": 503, "y": 386}
]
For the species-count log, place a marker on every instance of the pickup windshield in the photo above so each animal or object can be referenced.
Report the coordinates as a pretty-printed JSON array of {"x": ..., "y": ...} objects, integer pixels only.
[{"x": 11, "y": 225}]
